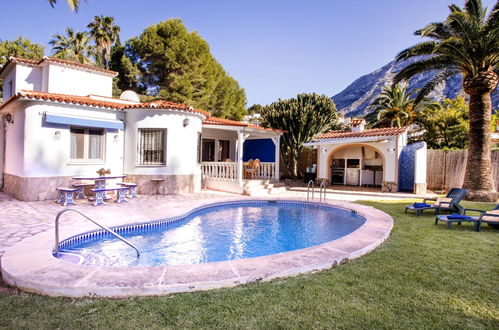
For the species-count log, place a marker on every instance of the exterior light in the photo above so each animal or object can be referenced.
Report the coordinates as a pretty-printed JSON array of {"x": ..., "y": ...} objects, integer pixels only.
[
  {"x": 9, "y": 118},
  {"x": 116, "y": 138},
  {"x": 57, "y": 135},
  {"x": 186, "y": 122},
  {"x": 323, "y": 150}
]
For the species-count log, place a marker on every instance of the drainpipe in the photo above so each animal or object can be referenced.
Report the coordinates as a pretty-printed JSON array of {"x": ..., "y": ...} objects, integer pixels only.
[{"x": 3, "y": 148}]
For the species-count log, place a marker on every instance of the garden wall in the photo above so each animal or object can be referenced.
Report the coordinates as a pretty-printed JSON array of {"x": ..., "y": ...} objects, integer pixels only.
[{"x": 445, "y": 168}]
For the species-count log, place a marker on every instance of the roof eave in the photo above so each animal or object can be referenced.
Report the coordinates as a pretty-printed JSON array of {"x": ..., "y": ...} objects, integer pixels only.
[{"x": 350, "y": 140}]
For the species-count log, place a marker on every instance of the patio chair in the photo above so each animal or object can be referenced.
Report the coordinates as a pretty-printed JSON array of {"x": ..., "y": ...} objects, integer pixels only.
[
  {"x": 448, "y": 203},
  {"x": 252, "y": 168},
  {"x": 490, "y": 217}
]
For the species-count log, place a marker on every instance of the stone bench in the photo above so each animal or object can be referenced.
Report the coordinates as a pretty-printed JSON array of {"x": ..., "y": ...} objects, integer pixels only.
[
  {"x": 100, "y": 194},
  {"x": 80, "y": 194},
  {"x": 65, "y": 195},
  {"x": 133, "y": 188}
]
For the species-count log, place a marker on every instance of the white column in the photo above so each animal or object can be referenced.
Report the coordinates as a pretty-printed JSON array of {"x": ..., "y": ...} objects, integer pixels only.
[
  {"x": 239, "y": 160},
  {"x": 277, "y": 155}
]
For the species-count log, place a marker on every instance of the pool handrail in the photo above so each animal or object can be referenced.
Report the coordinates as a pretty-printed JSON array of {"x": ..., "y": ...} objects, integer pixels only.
[
  {"x": 56, "y": 249},
  {"x": 308, "y": 189},
  {"x": 322, "y": 186}
]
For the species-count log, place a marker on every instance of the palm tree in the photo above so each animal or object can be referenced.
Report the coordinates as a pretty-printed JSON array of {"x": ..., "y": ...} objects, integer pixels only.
[
  {"x": 73, "y": 4},
  {"x": 105, "y": 33},
  {"x": 466, "y": 43},
  {"x": 75, "y": 46},
  {"x": 393, "y": 106}
]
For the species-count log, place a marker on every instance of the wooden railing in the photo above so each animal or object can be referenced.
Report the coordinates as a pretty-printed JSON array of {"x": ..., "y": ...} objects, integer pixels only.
[{"x": 228, "y": 170}]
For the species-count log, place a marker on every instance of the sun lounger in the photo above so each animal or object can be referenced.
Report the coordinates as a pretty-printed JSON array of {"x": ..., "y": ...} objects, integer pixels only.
[
  {"x": 448, "y": 203},
  {"x": 490, "y": 217}
]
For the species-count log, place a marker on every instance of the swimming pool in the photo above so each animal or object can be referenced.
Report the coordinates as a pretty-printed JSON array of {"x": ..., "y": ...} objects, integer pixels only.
[{"x": 219, "y": 232}]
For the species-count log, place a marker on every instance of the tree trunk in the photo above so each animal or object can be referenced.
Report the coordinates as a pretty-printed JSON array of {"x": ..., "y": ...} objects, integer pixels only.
[{"x": 478, "y": 177}]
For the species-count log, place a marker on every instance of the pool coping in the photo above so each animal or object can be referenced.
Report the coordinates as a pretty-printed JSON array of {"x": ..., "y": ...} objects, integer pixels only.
[{"x": 30, "y": 265}]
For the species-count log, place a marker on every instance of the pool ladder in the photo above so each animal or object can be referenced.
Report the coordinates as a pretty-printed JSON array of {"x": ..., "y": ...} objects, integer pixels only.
[
  {"x": 322, "y": 190},
  {"x": 56, "y": 249}
]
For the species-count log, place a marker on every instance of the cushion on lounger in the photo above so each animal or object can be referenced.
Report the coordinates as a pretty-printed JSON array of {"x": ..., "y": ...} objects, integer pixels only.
[
  {"x": 459, "y": 216},
  {"x": 442, "y": 199},
  {"x": 421, "y": 205},
  {"x": 495, "y": 219}
]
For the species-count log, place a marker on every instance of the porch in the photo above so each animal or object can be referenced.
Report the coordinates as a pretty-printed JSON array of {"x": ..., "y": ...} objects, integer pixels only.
[{"x": 227, "y": 147}]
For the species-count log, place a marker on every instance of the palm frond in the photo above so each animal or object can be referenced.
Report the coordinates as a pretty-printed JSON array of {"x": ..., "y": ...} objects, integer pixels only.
[
  {"x": 423, "y": 48},
  {"x": 440, "y": 77},
  {"x": 436, "y": 62}
]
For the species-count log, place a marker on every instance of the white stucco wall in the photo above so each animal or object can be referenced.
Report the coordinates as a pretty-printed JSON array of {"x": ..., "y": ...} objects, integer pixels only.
[
  {"x": 181, "y": 145},
  {"x": 47, "y": 155},
  {"x": 67, "y": 80},
  {"x": 9, "y": 76},
  {"x": 28, "y": 78},
  {"x": 420, "y": 165},
  {"x": 14, "y": 140}
]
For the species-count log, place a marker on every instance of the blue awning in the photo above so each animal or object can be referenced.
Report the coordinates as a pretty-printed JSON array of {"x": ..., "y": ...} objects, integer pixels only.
[{"x": 85, "y": 122}]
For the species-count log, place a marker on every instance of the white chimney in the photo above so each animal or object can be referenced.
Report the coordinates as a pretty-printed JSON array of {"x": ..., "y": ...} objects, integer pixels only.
[{"x": 357, "y": 124}]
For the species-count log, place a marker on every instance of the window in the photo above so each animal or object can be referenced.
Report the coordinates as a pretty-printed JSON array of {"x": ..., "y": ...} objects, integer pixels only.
[
  {"x": 152, "y": 146},
  {"x": 87, "y": 144},
  {"x": 208, "y": 153},
  {"x": 223, "y": 150}
]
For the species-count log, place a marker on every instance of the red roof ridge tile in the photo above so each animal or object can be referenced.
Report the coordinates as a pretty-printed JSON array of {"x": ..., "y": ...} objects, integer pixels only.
[
  {"x": 87, "y": 100},
  {"x": 159, "y": 104},
  {"x": 385, "y": 131},
  {"x": 229, "y": 122},
  {"x": 14, "y": 59}
]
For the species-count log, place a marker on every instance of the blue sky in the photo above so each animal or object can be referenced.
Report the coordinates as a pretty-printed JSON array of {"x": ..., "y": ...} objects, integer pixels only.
[{"x": 274, "y": 48}]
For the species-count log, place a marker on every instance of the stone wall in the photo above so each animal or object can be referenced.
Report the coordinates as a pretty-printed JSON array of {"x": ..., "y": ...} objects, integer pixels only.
[
  {"x": 34, "y": 188},
  {"x": 171, "y": 184},
  {"x": 44, "y": 188}
]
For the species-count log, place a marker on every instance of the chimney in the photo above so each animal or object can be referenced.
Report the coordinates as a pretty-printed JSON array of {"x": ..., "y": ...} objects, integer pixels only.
[{"x": 357, "y": 124}]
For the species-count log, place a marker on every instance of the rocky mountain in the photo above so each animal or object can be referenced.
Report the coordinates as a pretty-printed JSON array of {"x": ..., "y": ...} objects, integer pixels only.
[{"x": 354, "y": 100}]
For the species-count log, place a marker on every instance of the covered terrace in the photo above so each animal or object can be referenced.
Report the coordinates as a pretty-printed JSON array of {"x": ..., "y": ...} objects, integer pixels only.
[{"x": 227, "y": 145}]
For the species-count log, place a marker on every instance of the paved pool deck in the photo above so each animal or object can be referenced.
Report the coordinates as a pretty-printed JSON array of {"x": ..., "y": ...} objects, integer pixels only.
[{"x": 30, "y": 265}]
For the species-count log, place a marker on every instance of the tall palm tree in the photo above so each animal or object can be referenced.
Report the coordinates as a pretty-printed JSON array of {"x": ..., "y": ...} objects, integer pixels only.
[
  {"x": 105, "y": 33},
  {"x": 466, "y": 43},
  {"x": 73, "y": 4},
  {"x": 74, "y": 46},
  {"x": 393, "y": 106}
]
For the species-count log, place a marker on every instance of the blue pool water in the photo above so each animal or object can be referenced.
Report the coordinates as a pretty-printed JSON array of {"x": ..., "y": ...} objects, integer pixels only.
[{"x": 218, "y": 233}]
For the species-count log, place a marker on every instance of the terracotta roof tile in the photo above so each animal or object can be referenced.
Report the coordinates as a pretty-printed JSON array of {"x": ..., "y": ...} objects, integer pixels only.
[
  {"x": 64, "y": 98},
  {"x": 228, "y": 122},
  {"x": 390, "y": 131},
  {"x": 88, "y": 101},
  {"x": 58, "y": 61},
  {"x": 161, "y": 104}
]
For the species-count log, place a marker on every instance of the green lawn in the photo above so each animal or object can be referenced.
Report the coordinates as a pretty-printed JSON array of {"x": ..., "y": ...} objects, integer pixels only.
[{"x": 424, "y": 276}]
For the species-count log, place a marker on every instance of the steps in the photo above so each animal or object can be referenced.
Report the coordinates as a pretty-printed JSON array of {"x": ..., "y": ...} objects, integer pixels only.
[{"x": 263, "y": 187}]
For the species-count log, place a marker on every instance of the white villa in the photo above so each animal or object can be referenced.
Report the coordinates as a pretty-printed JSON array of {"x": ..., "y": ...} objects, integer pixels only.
[{"x": 59, "y": 120}]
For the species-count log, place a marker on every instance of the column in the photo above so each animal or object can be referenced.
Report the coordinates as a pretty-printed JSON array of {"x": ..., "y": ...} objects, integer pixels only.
[
  {"x": 240, "y": 141},
  {"x": 277, "y": 155}
]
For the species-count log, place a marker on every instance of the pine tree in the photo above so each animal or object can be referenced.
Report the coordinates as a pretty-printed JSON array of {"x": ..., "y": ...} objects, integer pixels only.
[{"x": 177, "y": 65}]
